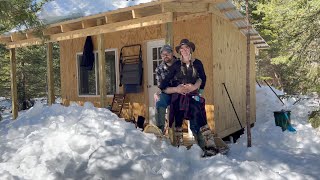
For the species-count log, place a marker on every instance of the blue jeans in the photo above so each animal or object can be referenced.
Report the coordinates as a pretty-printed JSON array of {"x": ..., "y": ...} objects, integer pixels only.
[{"x": 164, "y": 100}]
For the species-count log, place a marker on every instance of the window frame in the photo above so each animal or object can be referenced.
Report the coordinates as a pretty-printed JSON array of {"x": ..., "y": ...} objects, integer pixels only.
[
  {"x": 96, "y": 75},
  {"x": 116, "y": 68}
]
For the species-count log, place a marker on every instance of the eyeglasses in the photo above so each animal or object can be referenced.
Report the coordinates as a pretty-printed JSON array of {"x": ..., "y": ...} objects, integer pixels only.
[{"x": 165, "y": 55}]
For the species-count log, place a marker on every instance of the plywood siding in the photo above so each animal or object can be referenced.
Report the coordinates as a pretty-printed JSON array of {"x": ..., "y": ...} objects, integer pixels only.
[
  {"x": 198, "y": 30},
  {"x": 229, "y": 67},
  {"x": 69, "y": 77}
]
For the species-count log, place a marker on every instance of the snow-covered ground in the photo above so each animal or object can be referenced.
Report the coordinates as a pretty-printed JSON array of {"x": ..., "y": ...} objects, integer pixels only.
[{"x": 77, "y": 142}]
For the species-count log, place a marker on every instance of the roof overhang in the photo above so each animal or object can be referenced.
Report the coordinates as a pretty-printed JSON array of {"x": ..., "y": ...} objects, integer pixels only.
[{"x": 142, "y": 15}]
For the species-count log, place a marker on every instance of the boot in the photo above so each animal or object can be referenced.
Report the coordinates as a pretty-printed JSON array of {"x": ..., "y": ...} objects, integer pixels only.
[
  {"x": 208, "y": 136},
  {"x": 199, "y": 140},
  {"x": 179, "y": 136},
  {"x": 207, "y": 151},
  {"x": 160, "y": 118}
]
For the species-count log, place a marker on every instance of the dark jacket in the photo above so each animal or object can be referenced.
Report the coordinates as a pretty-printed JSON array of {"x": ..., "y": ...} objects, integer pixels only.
[
  {"x": 87, "y": 56},
  {"x": 177, "y": 77}
]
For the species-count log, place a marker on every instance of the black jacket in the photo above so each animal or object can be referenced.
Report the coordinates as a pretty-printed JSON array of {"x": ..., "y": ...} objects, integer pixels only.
[
  {"x": 87, "y": 56},
  {"x": 176, "y": 76}
]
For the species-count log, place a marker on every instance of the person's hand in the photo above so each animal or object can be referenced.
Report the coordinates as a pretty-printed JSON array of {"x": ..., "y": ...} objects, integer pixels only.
[
  {"x": 180, "y": 89},
  {"x": 156, "y": 97},
  {"x": 187, "y": 88}
]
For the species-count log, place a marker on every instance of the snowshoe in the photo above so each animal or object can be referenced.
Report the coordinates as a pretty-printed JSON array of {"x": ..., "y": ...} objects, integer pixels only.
[
  {"x": 223, "y": 150},
  {"x": 152, "y": 129}
]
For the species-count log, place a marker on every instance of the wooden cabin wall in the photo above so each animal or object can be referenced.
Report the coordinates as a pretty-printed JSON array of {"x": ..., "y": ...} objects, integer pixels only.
[
  {"x": 198, "y": 30},
  {"x": 116, "y": 40},
  {"x": 229, "y": 67}
]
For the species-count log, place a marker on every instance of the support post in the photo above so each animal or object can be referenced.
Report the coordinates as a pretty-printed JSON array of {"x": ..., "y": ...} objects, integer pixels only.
[
  {"x": 102, "y": 69},
  {"x": 51, "y": 98},
  {"x": 14, "y": 91},
  {"x": 248, "y": 94},
  {"x": 169, "y": 33}
]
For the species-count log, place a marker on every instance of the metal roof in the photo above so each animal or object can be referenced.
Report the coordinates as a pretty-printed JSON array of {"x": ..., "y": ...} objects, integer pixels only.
[{"x": 230, "y": 11}]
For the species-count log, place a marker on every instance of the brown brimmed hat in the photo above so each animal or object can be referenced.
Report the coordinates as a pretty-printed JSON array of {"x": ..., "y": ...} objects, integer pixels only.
[{"x": 186, "y": 42}]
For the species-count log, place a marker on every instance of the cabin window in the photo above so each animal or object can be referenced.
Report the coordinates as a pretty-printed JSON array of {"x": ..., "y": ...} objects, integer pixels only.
[
  {"x": 88, "y": 78},
  {"x": 111, "y": 68}
]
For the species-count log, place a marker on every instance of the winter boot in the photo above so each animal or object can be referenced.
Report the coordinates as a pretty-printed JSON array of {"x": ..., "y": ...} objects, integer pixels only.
[
  {"x": 160, "y": 118},
  {"x": 179, "y": 136},
  {"x": 200, "y": 140},
  {"x": 208, "y": 136},
  {"x": 207, "y": 151}
]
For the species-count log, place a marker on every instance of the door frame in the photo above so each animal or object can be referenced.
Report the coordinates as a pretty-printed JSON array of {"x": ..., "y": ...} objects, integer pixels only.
[{"x": 149, "y": 45}]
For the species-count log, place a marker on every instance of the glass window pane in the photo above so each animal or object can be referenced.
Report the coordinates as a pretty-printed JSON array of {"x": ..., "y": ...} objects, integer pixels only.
[
  {"x": 155, "y": 65},
  {"x": 154, "y": 80},
  {"x": 154, "y": 53},
  {"x": 111, "y": 72},
  {"x": 86, "y": 79}
]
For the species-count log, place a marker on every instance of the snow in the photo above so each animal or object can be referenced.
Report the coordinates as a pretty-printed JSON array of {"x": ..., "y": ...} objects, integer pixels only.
[
  {"x": 84, "y": 142},
  {"x": 58, "y": 10}
]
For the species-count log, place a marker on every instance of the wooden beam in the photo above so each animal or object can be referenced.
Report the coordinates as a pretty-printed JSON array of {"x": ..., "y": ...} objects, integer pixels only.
[
  {"x": 88, "y": 23},
  {"x": 118, "y": 17},
  {"x": 14, "y": 91},
  {"x": 119, "y": 26},
  {"x": 148, "y": 11},
  {"x": 228, "y": 9},
  {"x": 184, "y": 7},
  {"x": 135, "y": 14},
  {"x": 51, "y": 98},
  {"x": 5, "y": 39},
  {"x": 24, "y": 43},
  {"x": 17, "y": 36},
  {"x": 190, "y": 16},
  {"x": 102, "y": 69},
  {"x": 52, "y": 30},
  {"x": 31, "y": 35},
  {"x": 71, "y": 27},
  {"x": 169, "y": 33}
]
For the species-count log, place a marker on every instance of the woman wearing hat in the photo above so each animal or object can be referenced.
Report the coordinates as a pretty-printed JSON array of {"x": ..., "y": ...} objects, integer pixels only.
[{"x": 188, "y": 104}]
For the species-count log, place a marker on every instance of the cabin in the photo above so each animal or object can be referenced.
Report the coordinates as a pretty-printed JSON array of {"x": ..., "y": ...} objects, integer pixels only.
[{"x": 216, "y": 27}]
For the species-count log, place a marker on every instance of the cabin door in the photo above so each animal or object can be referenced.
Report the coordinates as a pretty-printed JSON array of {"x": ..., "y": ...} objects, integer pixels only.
[{"x": 154, "y": 59}]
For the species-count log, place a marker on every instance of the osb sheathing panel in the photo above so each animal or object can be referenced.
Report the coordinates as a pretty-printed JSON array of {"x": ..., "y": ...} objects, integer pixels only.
[
  {"x": 198, "y": 30},
  {"x": 117, "y": 40},
  {"x": 229, "y": 67}
]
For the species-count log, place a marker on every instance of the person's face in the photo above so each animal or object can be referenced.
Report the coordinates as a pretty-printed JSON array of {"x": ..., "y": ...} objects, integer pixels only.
[
  {"x": 185, "y": 50},
  {"x": 166, "y": 56}
]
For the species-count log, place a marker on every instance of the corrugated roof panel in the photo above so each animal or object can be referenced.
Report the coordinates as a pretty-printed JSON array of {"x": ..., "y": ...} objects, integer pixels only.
[{"x": 241, "y": 23}]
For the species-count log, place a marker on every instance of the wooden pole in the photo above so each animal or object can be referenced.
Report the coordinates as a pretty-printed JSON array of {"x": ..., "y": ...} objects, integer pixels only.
[
  {"x": 102, "y": 68},
  {"x": 51, "y": 98},
  {"x": 248, "y": 109},
  {"x": 14, "y": 91}
]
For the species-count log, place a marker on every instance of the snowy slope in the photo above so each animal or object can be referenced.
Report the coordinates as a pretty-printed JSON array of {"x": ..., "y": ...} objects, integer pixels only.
[{"x": 77, "y": 142}]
